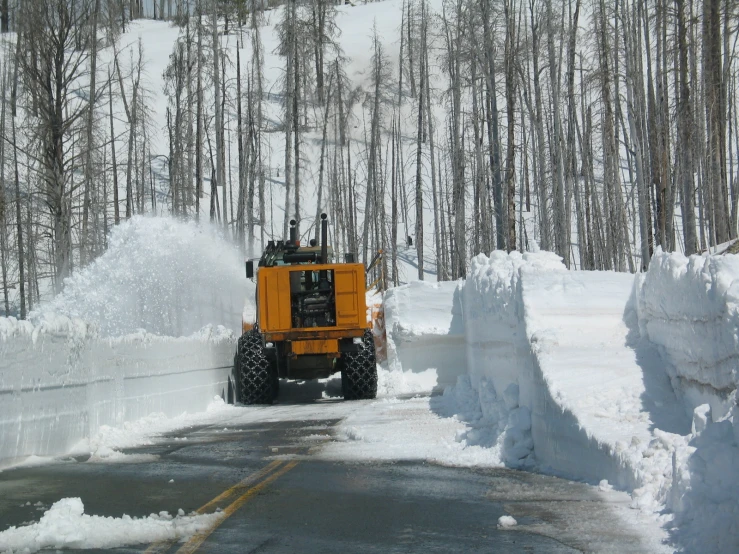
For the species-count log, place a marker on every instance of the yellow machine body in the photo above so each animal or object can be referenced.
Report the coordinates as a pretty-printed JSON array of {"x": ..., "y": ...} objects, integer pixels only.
[{"x": 274, "y": 288}]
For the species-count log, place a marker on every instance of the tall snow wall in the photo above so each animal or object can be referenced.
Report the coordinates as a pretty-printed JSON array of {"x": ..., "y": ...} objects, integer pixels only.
[
  {"x": 424, "y": 330},
  {"x": 59, "y": 382},
  {"x": 503, "y": 354},
  {"x": 689, "y": 308}
]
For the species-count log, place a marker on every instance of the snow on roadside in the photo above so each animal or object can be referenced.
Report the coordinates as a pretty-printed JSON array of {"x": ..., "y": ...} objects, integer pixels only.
[
  {"x": 60, "y": 384},
  {"x": 134, "y": 333},
  {"x": 106, "y": 444},
  {"x": 424, "y": 331},
  {"x": 395, "y": 429},
  {"x": 618, "y": 410},
  {"x": 393, "y": 383},
  {"x": 65, "y": 525},
  {"x": 602, "y": 405},
  {"x": 689, "y": 307}
]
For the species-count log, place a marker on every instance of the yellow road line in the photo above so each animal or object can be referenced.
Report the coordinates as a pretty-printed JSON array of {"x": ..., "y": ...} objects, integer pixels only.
[
  {"x": 163, "y": 546},
  {"x": 194, "y": 543},
  {"x": 253, "y": 478}
]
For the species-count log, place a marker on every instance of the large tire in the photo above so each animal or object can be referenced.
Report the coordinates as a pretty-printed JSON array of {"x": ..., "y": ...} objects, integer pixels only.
[
  {"x": 256, "y": 373},
  {"x": 359, "y": 371}
]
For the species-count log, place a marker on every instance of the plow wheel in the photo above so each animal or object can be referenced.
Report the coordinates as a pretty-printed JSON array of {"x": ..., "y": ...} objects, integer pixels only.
[
  {"x": 257, "y": 376},
  {"x": 359, "y": 371}
]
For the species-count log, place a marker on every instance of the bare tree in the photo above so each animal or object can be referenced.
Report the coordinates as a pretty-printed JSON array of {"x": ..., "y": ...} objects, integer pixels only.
[{"x": 54, "y": 58}]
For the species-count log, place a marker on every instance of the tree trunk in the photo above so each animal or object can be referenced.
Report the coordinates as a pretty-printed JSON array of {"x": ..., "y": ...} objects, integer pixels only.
[{"x": 685, "y": 131}]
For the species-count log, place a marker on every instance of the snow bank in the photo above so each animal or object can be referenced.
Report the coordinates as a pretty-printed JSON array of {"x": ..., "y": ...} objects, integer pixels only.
[
  {"x": 84, "y": 360},
  {"x": 562, "y": 376},
  {"x": 495, "y": 336},
  {"x": 424, "y": 330},
  {"x": 65, "y": 525},
  {"x": 59, "y": 382},
  {"x": 689, "y": 307},
  {"x": 498, "y": 397},
  {"x": 605, "y": 408},
  {"x": 705, "y": 486}
]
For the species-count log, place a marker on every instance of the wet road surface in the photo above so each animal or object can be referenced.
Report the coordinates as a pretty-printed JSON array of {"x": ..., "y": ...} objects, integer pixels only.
[{"x": 281, "y": 497}]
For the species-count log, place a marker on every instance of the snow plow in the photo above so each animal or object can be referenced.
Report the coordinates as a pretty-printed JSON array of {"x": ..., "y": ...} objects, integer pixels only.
[{"x": 310, "y": 322}]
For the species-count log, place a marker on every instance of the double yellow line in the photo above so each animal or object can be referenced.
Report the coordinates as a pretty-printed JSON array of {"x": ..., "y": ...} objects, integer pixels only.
[{"x": 246, "y": 489}]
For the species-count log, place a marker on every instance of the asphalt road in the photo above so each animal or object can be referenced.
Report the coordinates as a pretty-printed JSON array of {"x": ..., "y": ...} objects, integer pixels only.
[{"x": 279, "y": 496}]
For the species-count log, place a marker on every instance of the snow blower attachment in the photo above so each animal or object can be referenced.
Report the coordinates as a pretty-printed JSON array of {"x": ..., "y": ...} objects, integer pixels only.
[{"x": 311, "y": 322}]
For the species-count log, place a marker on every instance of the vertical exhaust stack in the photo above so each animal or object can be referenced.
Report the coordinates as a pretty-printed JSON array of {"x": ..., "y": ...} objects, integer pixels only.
[
  {"x": 293, "y": 233},
  {"x": 324, "y": 239}
]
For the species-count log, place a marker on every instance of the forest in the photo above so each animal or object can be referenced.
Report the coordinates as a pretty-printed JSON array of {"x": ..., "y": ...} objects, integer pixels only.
[{"x": 598, "y": 130}]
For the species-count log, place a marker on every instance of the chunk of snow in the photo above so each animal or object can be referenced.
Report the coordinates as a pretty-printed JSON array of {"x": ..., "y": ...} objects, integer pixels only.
[
  {"x": 701, "y": 418},
  {"x": 65, "y": 525},
  {"x": 504, "y": 522}
]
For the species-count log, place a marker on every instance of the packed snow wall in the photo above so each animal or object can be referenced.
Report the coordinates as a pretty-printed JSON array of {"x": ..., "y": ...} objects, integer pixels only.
[
  {"x": 424, "y": 330},
  {"x": 59, "y": 382},
  {"x": 495, "y": 336},
  {"x": 689, "y": 308},
  {"x": 508, "y": 363}
]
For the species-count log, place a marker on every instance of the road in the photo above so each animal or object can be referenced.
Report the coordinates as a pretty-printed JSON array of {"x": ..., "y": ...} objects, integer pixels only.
[{"x": 278, "y": 495}]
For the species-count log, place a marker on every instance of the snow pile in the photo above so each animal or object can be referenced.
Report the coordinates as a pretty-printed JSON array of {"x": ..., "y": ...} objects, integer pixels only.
[
  {"x": 424, "y": 330},
  {"x": 166, "y": 276},
  {"x": 705, "y": 488},
  {"x": 689, "y": 307},
  {"x": 394, "y": 383},
  {"x": 496, "y": 342},
  {"x": 65, "y": 525},
  {"x": 495, "y": 422},
  {"x": 59, "y": 383}
]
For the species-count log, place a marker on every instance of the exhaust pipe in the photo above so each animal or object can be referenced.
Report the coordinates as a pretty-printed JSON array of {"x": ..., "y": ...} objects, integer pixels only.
[
  {"x": 293, "y": 233},
  {"x": 324, "y": 239}
]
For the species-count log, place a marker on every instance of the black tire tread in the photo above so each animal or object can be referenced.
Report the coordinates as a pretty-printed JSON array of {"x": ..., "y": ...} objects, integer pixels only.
[
  {"x": 256, "y": 379},
  {"x": 359, "y": 371}
]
